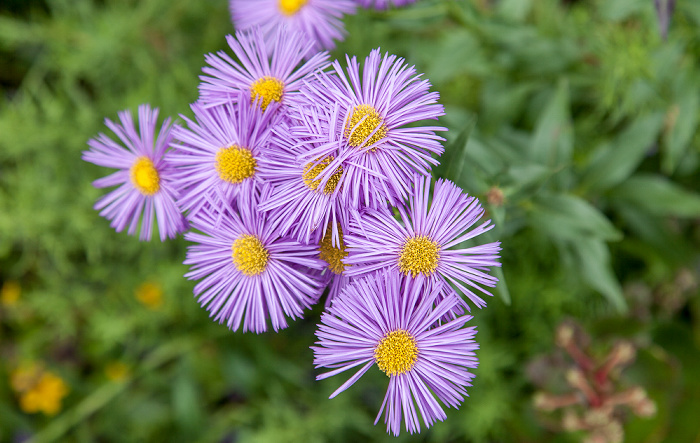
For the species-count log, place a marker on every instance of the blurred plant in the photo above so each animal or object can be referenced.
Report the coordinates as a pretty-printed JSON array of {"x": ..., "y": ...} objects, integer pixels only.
[
  {"x": 39, "y": 390},
  {"x": 595, "y": 404},
  {"x": 150, "y": 294},
  {"x": 10, "y": 293}
]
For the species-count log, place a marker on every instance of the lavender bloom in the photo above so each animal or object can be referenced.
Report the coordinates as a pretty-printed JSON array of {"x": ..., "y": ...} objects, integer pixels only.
[
  {"x": 145, "y": 176},
  {"x": 420, "y": 244},
  {"x": 249, "y": 274},
  {"x": 319, "y": 21},
  {"x": 219, "y": 154},
  {"x": 383, "y": 4},
  {"x": 267, "y": 71},
  {"x": 364, "y": 123},
  {"x": 392, "y": 321}
]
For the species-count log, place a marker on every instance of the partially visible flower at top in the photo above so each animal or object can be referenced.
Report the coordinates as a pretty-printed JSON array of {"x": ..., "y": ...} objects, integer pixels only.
[
  {"x": 249, "y": 274},
  {"x": 420, "y": 244},
  {"x": 270, "y": 71},
  {"x": 383, "y": 4},
  {"x": 145, "y": 176},
  {"x": 392, "y": 321},
  {"x": 150, "y": 295},
  {"x": 10, "y": 292},
  {"x": 217, "y": 157},
  {"x": 39, "y": 390},
  {"x": 369, "y": 121},
  {"x": 320, "y": 21}
]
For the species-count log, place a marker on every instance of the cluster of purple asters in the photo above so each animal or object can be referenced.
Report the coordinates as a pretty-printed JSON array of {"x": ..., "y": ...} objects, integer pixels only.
[{"x": 300, "y": 180}]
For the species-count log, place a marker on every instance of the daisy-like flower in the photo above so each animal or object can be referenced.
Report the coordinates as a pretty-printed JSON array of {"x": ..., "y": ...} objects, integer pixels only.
[
  {"x": 145, "y": 176},
  {"x": 392, "y": 321},
  {"x": 306, "y": 197},
  {"x": 219, "y": 154},
  {"x": 319, "y": 21},
  {"x": 365, "y": 120},
  {"x": 248, "y": 274},
  {"x": 383, "y": 4},
  {"x": 333, "y": 255},
  {"x": 420, "y": 244},
  {"x": 270, "y": 72}
]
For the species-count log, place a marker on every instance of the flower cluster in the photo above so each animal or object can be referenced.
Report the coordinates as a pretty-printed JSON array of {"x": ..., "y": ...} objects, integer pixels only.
[{"x": 298, "y": 178}]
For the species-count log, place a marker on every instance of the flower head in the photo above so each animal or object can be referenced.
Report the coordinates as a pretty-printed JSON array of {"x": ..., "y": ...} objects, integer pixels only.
[
  {"x": 319, "y": 21},
  {"x": 271, "y": 72},
  {"x": 218, "y": 155},
  {"x": 145, "y": 176},
  {"x": 421, "y": 243},
  {"x": 368, "y": 119},
  {"x": 39, "y": 390},
  {"x": 383, "y": 4},
  {"x": 393, "y": 322},
  {"x": 248, "y": 273}
]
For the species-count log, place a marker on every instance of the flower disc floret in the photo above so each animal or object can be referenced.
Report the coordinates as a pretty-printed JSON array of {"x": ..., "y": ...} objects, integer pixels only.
[
  {"x": 419, "y": 255},
  {"x": 145, "y": 177},
  {"x": 313, "y": 169},
  {"x": 362, "y": 123},
  {"x": 269, "y": 89},
  {"x": 249, "y": 255},
  {"x": 234, "y": 164},
  {"x": 291, "y": 7},
  {"x": 331, "y": 254},
  {"x": 396, "y": 353}
]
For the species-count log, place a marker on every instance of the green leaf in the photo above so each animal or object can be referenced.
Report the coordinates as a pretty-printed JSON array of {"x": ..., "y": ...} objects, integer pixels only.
[
  {"x": 682, "y": 121},
  {"x": 502, "y": 286},
  {"x": 613, "y": 162},
  {"x": 593, "y": 260},
  {"x": 566, "y": 216},
  {"x": 553, "y": 140},
  {"x": 659, "y": 196}
]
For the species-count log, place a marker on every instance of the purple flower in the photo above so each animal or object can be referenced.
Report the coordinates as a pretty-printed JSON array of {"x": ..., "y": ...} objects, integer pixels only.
[
  {"x": 219, "y": 154},
  {"x": 363, "y": 121},
  {"x": 249, "y": 274},
  {"x": 392, "y": 321},
  {"x": 145, "y": 176},
  {"x": 319, "y": 21},
  {"x": 269, "y": 71},
  {"x": 383, "y": 4},
  {"x": 306, "y": 194},
  {"x": 420, "y": 244}
]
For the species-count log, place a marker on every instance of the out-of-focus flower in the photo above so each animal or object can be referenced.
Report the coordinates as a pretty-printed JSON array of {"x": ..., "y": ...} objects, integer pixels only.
[
  {"x": 420, "y": 244},
  {"x": 383, "y": 4},
  {"x": 319, "y": 21},
  {"x": 146, "y": 192},
  {"x": 249, "y": 274},
  {"x": 270, "y": 72},
  {"x": 392, "y": 321},
  {"x": 10, "y": 293},
  {"x": 150, "y": 295},
  {"x": 38, "y": 390},
  {"x": 117, "y": 371},
  {"x": 366, "y": 120},
  {"x": 217, "y": 157}
]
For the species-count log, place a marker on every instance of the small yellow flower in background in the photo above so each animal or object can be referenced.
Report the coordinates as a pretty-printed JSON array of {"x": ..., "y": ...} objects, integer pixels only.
[
  {"x": 39, "y": 390},
  {"x": 10, "y": 292},
  {"x": 150, "y": 295},
  {"x": 117, "y": 371}
]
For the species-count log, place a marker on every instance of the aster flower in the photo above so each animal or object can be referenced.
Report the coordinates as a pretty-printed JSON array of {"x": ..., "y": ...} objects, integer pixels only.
[
  {"x": 268, "y": 71},
  {"x": 420, "y": 244},
  {"x": 392, "y": 321},
  {"x": 383, "y": 4},
  {"x": 220, "y": 152},
  {"x": 364, "y": 120},
  {"x": 248, "y": 274},
  {"x": 319, "y": 21},
  {"x": 333, "y": 255},
  {"x": 145, "y": 176}
]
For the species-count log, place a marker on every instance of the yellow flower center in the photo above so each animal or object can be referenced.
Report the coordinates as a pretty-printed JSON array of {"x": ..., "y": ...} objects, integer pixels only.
[
  {"x": 249, "y": 255},
  {"x": 291, "y": 7},
  {"x": 45, "y": 396},
  {"x": 333, "y": 255},
  {"x": 150, "y": 295},
  {"x": 145, "y": 177},
  {"x": 419, "y": 255},
  {"x": 234, "y": 164},
  {"x": 396, "y": 353},
  {"x": 313, "y": 169},
  {"x": 269, "y": 88},
  {"x": 358, "y": 133}
]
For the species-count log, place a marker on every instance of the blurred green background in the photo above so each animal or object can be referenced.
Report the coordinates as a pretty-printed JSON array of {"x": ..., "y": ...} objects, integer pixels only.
[{"x": 575, "y": 122}]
